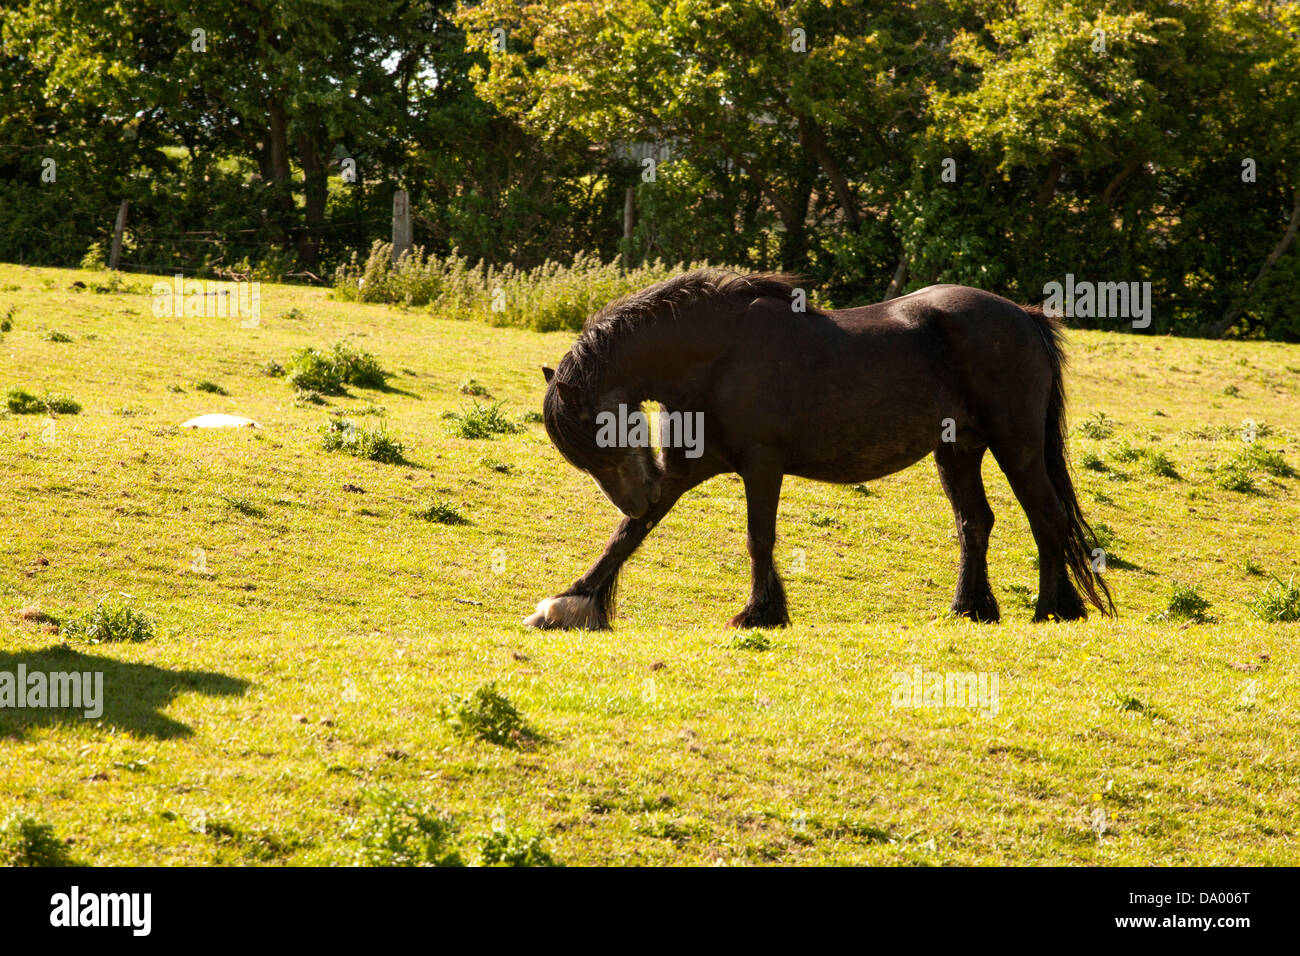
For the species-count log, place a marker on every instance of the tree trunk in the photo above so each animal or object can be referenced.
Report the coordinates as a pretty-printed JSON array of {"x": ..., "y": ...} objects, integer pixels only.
[
  {"x": 281, "y": 213},
  {"x": 1279, "y": 249},
  {"x": 1113, "y": 187},
  {"x": 793, "y": 215},
  {"x": 1048, "y": 190},
  {"x": 314, "y": 193},
  {"x": 279, "y": 133},
  {"x": 900, "y": 278},
  {"x": 794, "y": 245},
  {"x": 816, "y": 144}
]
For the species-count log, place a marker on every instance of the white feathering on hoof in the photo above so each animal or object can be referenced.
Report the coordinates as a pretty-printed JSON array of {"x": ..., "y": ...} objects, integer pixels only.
[{"x": 568, "y": 611}]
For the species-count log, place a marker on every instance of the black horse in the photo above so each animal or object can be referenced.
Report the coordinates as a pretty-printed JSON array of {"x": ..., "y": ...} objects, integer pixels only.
[{"x": 842, "y": 396}]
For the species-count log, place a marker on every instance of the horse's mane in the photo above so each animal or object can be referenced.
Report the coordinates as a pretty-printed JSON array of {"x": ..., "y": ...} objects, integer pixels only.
[{"x": 602, "y": 330}]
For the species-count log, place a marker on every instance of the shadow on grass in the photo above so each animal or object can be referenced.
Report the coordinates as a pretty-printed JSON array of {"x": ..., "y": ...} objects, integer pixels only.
[
  {"x": 133, "y": 695},
  {"x": 1120, "y": 564},
  {"x": 390, "y": 389}
]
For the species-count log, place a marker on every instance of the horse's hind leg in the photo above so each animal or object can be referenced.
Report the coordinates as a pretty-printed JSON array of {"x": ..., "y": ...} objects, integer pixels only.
[
  {"x": 1057, "y": 597},
  {"x": 766, "y": 605},
  {"x": 959, "y": 473}
]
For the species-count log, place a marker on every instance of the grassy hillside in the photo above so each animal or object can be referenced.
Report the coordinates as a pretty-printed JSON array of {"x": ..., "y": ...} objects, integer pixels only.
[{"x": 295, "y": 703}]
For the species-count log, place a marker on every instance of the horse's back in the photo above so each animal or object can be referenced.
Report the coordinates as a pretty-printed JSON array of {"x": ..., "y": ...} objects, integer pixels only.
[
  {"x": 935, "y": 304},
  {"x": 881, "y": 380},
  {"x": 963, "y": 331}
]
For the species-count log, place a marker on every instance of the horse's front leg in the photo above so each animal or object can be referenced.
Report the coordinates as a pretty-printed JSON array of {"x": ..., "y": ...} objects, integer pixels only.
[
  {"x": 589, "y": 602},
  {"x": 766, "y": 606}
]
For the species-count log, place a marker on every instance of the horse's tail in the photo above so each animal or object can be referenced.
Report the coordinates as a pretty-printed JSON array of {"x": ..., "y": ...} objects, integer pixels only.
[{"x": 1079, "y": 538}]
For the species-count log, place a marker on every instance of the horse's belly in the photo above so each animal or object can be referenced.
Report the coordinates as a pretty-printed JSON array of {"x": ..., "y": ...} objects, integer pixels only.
[
  {"x": 850, "y": 469},
  {"x": 873, "y": 439}
]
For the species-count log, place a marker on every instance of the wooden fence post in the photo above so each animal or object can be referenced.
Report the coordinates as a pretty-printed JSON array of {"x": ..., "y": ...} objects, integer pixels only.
[
  {"x": 115, "y": 255},
  {"x": 629, "y": 223},
  {"x": 401, "y": 223}
]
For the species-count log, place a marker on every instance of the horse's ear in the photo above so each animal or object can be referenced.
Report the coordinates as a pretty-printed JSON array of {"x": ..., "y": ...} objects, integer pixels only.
[
  {"x": 570, "y": 394},
  {"x": 548, "y": 373}
]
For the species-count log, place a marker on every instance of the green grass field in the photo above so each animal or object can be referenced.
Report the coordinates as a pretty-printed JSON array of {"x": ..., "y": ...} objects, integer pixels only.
[{"x": 292, "y": 705}]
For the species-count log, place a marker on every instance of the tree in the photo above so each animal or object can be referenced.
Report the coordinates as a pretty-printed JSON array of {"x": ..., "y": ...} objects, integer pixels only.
[
  {"x": 278, "y": 82},
  {"x": 780, "y": 92}
]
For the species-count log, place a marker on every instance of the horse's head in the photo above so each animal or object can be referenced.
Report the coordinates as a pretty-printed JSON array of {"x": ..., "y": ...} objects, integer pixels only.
[{"x": 629, "y": 476}]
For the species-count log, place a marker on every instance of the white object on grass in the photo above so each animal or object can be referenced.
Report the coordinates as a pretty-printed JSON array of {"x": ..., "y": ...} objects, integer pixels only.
[{"x": 220, "y": 421}]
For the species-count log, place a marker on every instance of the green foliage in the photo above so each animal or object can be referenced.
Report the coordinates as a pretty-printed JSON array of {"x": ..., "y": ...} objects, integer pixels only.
[
  {"x": 397, "y": 831},
  {"x": 56, "y": 336},
  {"x": 328, "y": 372},
  {"x": 112, "y": 621},
  {"x": 1128, "y": 703},
  {"x": 263, "y": 846},
  {"x": 1232, "y": 476},
  {"x": 1103, "y": 535},
  {"x": 443, "y": 512},
  {"x": 752, "y": 641},
  {"x": 1127, "y": 454},
  {"x": 1216, "y": 432},
  {"x": 116, "y": 285},
  {"x": 1255, "y": 457},
  {"x": 372, "y": 444},
  {"x": 212, "y": 388},
  {"x": 1280, "y": 601},
  {"x": 358, "y": 367},
  {"x": 400, "y": 832},
  {"x": 62, "y": 405},
  {"x": 506, "y": 848},
  {"x": 481, "y": 421},
  {"x": 1185, "y": 604},
  {"x": 993, "y": 144},
  {"x": 1098, "y": 426},
  {"x": 1238, "y": 472},
  {"x": 24, "y": 841},
  {"x": 311, "y": 370},
  {"x": 546, "y": 298},
  {"x": 22, "y": 402},
  {"x": 1160, "y": 464},
  {"x": 95, "y": 259},
  {"x": 243, "y": 505},
  {"x": 487, "y": 715}
]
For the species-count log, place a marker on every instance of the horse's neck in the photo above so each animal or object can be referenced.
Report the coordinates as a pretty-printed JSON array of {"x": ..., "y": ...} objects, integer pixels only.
[{"x": 660, "y": 359}]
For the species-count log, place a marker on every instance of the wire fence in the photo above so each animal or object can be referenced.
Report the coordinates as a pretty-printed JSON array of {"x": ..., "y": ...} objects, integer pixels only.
[{"x": 143, "y": 240}]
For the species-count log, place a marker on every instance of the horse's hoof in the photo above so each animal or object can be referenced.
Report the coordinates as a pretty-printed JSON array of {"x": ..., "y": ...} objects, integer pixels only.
[
  {"x": 536, "y": 619},
  {"x": 565, "y": 612},
  {"x": 752, "y": 619}
]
